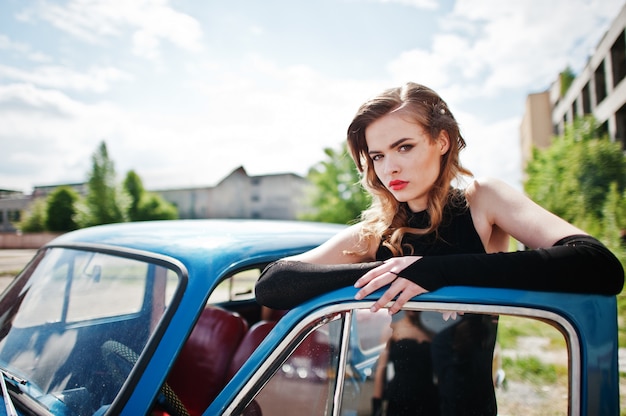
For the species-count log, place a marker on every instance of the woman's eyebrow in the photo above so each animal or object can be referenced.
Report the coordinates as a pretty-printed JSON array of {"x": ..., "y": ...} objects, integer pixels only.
[{"x": 391, "y": 146}]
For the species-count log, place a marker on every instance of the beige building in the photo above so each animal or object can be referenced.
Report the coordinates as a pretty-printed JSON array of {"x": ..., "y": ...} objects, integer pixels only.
[
  {"x": 598, "y": 90},
  {"x": 279, "y": 196}
]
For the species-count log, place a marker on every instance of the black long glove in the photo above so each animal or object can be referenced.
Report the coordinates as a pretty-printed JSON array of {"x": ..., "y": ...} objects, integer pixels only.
[
  {"x": 286, "y": 284},
  {"x": 575, "y": 264}
]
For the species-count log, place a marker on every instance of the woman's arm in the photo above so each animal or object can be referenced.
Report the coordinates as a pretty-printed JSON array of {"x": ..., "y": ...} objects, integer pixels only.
[
  {"x": 565, "y": 259},
  {"x": 337, "y": 263},
  {"x": 344, "y": 247},
  {"x": 499, "y": 211}
]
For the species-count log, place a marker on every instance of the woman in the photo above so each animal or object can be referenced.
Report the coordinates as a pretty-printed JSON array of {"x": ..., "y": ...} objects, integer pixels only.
[{"x": 421, "y": 234}]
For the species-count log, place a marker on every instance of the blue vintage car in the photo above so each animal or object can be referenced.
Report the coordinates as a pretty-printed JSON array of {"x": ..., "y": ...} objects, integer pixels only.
[{"x": 160, "y": 318}]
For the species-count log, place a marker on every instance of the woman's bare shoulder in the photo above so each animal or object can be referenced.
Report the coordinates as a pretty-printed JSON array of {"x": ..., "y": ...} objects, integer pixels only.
[{"x": 498, "y": 206}]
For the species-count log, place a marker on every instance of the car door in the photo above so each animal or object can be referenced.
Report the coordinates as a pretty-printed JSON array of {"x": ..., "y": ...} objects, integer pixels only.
[{"x": 509, "y": 357}]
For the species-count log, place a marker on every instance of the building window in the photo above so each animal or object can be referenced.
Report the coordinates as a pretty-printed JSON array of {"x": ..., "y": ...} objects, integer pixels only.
[
  {"x": 600, "y": 83},
  {"x": 586, "y": 100},
  {"x": 618, "y": 59},
  {"x": 620, "y": 121},
  {"x": 14, "y": 216}
]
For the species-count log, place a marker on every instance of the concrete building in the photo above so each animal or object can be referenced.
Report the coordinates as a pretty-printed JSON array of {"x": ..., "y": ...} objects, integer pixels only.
[
  {"x": 279, "y": 196},
  {"x": 12, "y": 203},
  {"x": 598, "y": 90}
]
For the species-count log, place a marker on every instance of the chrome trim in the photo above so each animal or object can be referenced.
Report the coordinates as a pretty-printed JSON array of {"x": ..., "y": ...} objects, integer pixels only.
[{"x": 343, "y": 361}]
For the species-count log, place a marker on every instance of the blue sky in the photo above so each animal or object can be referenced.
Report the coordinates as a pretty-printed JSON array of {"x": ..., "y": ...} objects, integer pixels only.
[{"x": 184, "y": 92}]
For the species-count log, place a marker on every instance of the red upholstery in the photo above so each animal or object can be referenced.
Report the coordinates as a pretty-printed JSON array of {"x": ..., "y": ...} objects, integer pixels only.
[
  {"x": 251, "y": 340},
  {"x": 200, "y": 372},
  {"x": 276, "y": 314}
]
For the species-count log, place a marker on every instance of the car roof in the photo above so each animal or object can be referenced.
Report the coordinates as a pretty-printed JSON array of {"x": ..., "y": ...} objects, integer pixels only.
[{"x": 190, "y": 241}]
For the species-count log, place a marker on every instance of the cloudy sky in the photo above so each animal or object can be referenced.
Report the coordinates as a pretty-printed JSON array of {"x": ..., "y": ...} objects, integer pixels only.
[{"x": 184, "y": 91}]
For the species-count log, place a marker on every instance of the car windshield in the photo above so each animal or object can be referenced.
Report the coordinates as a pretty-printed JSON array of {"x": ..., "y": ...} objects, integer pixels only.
[{"x": 75, "y": 321}]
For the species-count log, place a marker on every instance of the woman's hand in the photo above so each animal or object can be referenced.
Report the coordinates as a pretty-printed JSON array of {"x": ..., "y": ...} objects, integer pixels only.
[{"x": 387, "y": 274}]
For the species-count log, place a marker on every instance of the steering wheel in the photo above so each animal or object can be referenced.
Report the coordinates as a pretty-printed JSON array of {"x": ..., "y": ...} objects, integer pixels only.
[{"x": 120, "y": 359}]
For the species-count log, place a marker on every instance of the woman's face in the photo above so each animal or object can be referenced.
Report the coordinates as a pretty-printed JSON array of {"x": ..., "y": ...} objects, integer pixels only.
[{"x": 405, "y": 158}]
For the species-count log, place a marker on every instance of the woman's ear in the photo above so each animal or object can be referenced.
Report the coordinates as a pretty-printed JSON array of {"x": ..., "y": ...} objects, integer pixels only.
[{"x": 443, "y": 141}]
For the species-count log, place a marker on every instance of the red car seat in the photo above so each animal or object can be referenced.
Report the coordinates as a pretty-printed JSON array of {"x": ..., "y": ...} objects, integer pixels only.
[{"x": 201, "y": 370}]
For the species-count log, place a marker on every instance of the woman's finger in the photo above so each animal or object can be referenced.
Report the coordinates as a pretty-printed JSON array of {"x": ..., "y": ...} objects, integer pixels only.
[
  {"x": 408, "y": 291},
  {"x": 387, "y": 297},
  {"x": 373, "y": 274},
  {"x": 374, "y": 284}
]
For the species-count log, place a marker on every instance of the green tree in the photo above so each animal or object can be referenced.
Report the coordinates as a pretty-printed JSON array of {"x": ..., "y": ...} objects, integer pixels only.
[
  {"x": 337, "y": 195},
  {"x": 134, "y": 188},
  {"x": 60, "y": 209},
  {"x": 145, "y": 206},
  {"x": 105, "y": 202},
  {"x": 573, "y": 177},
  {"x": 154, "y": 207},
  {"x": 35, "y": 219},
  {"x": 566, "y": 77}
]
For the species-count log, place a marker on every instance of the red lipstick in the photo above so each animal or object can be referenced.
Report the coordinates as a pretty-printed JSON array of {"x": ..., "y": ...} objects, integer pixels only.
[{"x": 397, "y": 184}]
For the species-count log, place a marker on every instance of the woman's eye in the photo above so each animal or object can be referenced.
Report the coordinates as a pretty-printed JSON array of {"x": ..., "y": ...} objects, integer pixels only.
[
  {"x": 405, "y": 147},
  {"x": 376, "y": 158}
]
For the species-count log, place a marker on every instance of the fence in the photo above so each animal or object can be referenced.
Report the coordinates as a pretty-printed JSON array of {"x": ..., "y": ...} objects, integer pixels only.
[{"x": 25, "y": 241}]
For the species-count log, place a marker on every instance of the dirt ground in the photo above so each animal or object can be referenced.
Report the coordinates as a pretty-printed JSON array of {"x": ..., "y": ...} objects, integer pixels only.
[{"x": 11, "y": 263}]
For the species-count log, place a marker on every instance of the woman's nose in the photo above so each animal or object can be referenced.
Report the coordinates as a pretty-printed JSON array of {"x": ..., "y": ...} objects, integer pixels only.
[{"x": 391, "y": 166}]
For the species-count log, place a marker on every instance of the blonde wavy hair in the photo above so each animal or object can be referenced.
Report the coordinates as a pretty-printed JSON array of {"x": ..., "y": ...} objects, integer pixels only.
[{"x": 384, "y": 220}]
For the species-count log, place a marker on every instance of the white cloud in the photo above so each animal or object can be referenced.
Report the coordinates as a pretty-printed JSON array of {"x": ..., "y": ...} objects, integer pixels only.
[
  {"x": 16, "y": 98},
  {"x": 420, "y": 4},
  {"x": 94, "y": 79},
  {"x": 150, "y": 22},
  {"x": 23, "y": 49},
  {"x": 492, "y": 149},
  {"x": 493, "y": 45}
]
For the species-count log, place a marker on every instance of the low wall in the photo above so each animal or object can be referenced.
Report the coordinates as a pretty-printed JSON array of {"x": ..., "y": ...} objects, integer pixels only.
[{"x": 25, "y": 241}]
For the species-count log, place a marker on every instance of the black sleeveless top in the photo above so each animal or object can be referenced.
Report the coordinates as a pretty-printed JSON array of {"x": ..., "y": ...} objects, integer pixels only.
[{"x": 456, "y": 233}]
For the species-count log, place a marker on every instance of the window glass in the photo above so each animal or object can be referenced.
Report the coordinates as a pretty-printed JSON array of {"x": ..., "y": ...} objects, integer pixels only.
[
  {"x": 442, "y": 363},
  {"x": 304, "y": 384},
  {"x": 85, "y": 285},
  {"x": 238, "y": 286},
  {"x": 75, "y": 322},
  {"x": 532, "y": 357}
]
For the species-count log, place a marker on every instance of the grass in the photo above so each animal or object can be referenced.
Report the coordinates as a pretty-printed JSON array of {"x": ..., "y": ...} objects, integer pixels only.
[
  {"x": 531, "y": 369},
  {"x": 510, "y": 328}
]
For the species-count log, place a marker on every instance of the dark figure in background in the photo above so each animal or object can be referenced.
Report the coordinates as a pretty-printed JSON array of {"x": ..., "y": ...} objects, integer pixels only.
[{"x": 404, "y": 377}]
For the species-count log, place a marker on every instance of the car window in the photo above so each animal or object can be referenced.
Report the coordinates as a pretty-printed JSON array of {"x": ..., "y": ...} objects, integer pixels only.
[
  {"x": 89, "y": 285},
  {"x": 74, "y": 324},
  {"x": 428, "y": 361},
  {"x": 236, "y": 287},
  {"x": 304, "y": 384}
]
